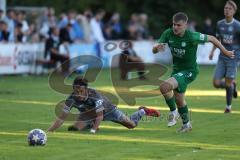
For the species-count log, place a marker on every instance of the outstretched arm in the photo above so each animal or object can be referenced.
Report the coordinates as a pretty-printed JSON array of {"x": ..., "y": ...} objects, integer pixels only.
[
  {"x": 97, "y": 121},
  {"x": 58, "y": 122},
  {"x": 212, "y": 52},
  {"x": 158, "y": 47},
  {"x": 218, "y": 44}
]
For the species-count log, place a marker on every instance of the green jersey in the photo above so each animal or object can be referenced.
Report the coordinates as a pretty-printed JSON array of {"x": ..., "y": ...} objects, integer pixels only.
[{"x": 183, "y": 49}]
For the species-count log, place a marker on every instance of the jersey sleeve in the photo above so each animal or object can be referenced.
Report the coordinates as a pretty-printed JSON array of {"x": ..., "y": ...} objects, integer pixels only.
[
  {"x": 97, "y": 102},
  {"x": 164, "y": 37},
  {"x": 68, "y": 105},
  {"x": 199, "y": 37},
  {"x": 99, "y": 105}
]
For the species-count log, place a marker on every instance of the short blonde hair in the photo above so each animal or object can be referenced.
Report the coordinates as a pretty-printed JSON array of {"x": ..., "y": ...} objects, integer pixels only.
[{"x": 233, "y": 4}]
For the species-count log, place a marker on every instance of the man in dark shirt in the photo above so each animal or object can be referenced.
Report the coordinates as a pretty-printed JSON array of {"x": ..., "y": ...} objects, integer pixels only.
[
  {"x": 64, "y": 35},
  {"x": 4, "y": 33},
  {"x": 51, "y": 49},
  {"x": 88, "y": 100},
  {"x": 129, "y": 61}
]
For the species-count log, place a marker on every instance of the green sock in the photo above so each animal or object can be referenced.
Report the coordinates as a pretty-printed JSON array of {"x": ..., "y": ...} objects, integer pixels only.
[
  {"x": 171, "y": 103},
  {"x": 183, "y": 111}
]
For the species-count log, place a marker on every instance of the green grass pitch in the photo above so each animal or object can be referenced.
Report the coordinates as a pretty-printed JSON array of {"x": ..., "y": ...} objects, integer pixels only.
[{"x": 27, "y": 102}]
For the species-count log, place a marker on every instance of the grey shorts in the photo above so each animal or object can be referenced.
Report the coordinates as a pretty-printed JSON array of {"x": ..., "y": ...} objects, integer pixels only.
[
  {"x": 225, "y": 68},
  {"x": 114, "y": 115}
]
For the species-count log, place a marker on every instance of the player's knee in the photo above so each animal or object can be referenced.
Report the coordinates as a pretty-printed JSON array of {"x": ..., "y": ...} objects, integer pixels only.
[
  {"x": 164, "y": 88},
  {"x": 216, "y": 84},
  {"x": 180, "y": 103},
  {"x": 229, "y": 84},
  {"x": 131, "y": 126}
]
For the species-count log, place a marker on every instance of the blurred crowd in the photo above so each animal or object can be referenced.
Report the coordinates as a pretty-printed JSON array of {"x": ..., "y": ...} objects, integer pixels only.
[
  {"x": 84, "y": 27},
  {"x": 207, "y": 27},
  {"x": 72, "y": 26},
  {"x": 57, "y": 32}
]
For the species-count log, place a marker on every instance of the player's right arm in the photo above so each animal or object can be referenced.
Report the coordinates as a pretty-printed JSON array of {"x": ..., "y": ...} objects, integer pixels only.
[
  {"x": 214, "y": 47},
  {"x": 58, "y": 122},
  {"x": 161, "y": 43},
  {"x": 159, "y": 47},
  {"x": 212, "y": 52},
  {"x": 218, "y": 44},
  {"x": 66, "y": 108}
]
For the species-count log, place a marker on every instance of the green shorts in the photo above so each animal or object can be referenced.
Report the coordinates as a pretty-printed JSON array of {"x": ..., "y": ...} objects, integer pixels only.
[{"x": 184, "y": 78}]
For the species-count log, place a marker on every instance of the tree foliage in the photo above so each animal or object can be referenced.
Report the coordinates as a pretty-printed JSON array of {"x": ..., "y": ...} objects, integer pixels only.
[{"x": 159, "y": 11}]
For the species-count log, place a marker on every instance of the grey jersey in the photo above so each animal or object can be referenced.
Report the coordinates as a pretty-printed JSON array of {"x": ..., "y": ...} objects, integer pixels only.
[
  {"x": 95, "y": 101},
  {"x": 229, "y": 35}
]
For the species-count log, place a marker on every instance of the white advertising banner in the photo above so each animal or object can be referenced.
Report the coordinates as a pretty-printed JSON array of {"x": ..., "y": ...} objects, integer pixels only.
[
  {"x": 144, "y": 50},
  {"x": 19, "y": 58}
]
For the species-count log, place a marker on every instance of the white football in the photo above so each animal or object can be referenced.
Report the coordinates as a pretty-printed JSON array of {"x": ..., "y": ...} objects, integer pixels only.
[{"x": 37, "y": 137}]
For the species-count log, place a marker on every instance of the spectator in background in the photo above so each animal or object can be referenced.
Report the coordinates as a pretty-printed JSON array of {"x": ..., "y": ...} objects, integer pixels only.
[
  {"x": 52, "y": 51},
  {"x": 48, "y": 21},
  {"x": 84, "y": 21},
  {"x": 108, "y": 32},
  {"x": 25, "y": 28},
  {"x": 133, "y": 20},
  {"x": 116, "y": 26},
  {"x": 4, "y": 33},
  {"x": 192, "y": 26},
  {"x": 21, "y": 18},
  {"x": 1, "y": 14},
  {"x": 33, "y": 34},
  {"x": 128, "y": 61},
  {"x": 143, "y": 31},
  {"x": 49, "y": 17},
  {"x": 18, "y": 33},
  {"x": 131, "y": 32},
  {"x": 96, "y": 28},
  {"x": 10, "y": 20},
  {"x": 76, "y": 32},
  {"x": 137, "y": 27},
  {"x": 208, "y": 28},
  {"x": 65, "y": 34},
  {"x": 63, "y": 20}
]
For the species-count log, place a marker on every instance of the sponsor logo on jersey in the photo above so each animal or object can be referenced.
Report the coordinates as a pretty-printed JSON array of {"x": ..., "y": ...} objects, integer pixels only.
[
  {"x": 222, "y": 28},
  {"x": 180, "y": 74},
  {"x": 99, "y": 102},
  {"x": 230, "y": 29},
  {"x": 178, "y": 52},
  {"x": 228, "y": 39},
  {"x": 189, "y": 74},
  {"x": 202, "y": 36},
  {"x": 183, "y": 44}
]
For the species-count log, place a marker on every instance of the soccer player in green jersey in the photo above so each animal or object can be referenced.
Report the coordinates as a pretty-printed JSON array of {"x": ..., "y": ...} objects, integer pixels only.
[{"x": 183, "y": 45}]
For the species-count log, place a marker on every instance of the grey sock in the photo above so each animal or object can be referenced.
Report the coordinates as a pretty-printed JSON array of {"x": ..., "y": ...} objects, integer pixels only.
[
  {"x": 222, "y": 84},
  {"x": 229, "y": 94},
  {"x": 136, "y": 116}
]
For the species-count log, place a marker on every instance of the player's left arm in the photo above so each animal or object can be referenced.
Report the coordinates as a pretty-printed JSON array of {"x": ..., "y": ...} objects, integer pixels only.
[
  {"x": 99, "y": 108},
  {"x": 99, "y": 118},
  {"x": 58, "y": 122},
  {"x": 161, "y": 43},
  {"x": 218, "y": 44}
]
